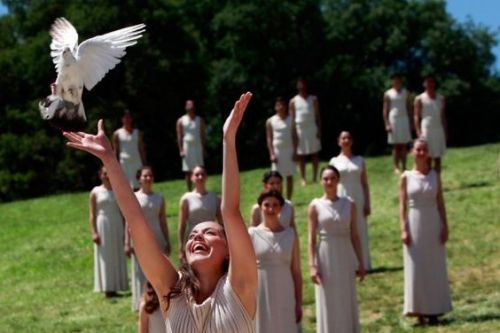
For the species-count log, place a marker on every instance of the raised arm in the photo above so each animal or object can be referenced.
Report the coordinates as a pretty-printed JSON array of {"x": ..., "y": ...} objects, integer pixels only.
[
  {"x": 242, "y": 264},
  {"x": 356, "y": 244},
  {"x": 157, "y": 268},
  {"x": 269, "y": 141},
  {"x": 403, "y": 213}
]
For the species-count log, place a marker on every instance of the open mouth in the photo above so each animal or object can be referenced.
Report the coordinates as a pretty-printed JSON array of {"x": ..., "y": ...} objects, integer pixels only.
[{"x": 199, "y": 247}]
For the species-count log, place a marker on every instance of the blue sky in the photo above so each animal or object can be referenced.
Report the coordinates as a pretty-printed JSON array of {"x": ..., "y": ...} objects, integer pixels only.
[{"x": 486, "y": 12}]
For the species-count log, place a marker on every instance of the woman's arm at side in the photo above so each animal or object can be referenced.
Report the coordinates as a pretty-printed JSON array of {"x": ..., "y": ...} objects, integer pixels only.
[
  {"x": 157, "y": 268},
  {"x": 356, "y": 244},
  {"x": 366, "y": 190},
  {"x": 96, "y": 238},
  {"x": 164, "y": 226},
  {"x": 255, "y": 216},
  {"x": 442, "y": 211},
  {"x": 269, "y": 141},
  {"x": 242, "y": 263},
  {"x": 403, "y": 214},
  {"x": 181, "y": 228},
  {"x": 297, "y": 278},
  {"x": 312, "y": 223},
  {"x": 385, "y": 113},
  {"x": 416, "y": 116}
]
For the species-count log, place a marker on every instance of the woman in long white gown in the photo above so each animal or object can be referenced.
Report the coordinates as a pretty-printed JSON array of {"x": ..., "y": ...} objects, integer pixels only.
[
  {"x": 153, "y": 206},
  {"x": 424, "y": 232},
  {"x": 196, "y": 206},
  {"x": 333, "y": 262},
  {"x": 279, "y": 292},
  {"x": 215, "y": 290},
  {"x": 354, "y": 184},
  {"x": 107, "y": 227}
]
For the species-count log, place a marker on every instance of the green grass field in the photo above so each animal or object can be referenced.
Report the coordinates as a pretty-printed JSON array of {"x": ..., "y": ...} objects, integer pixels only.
[{"x": 46, "y": 255}]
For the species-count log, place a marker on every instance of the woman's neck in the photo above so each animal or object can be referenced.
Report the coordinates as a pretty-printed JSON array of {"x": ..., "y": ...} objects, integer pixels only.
[
  {"x": 281, "y": 114},
  {"x": 347, "y": 152},
  {"x": 107, "y": 185},
  {"x": 272, "y": 223},
  {"x": 421, "y": 167},
  {"x": 200, "y": 189},
  {"x": 208, "y": 282},
  {"x": 331, "y": 195},
  {"x": 146, "y": 190}
]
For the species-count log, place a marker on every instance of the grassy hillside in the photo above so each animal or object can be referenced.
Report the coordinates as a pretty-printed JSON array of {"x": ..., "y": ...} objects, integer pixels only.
[{"x": 46, "y": 253}]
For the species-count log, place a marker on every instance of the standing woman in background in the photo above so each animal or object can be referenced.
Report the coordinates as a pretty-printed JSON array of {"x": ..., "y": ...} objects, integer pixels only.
[
  {"x": 191, "y": 139},
  {"x": 153, "y": 207},
  {"x": 306, "y": 125},
  {"x": 430, "y": 121},
  {"x": 129, "y": 147},
  {"x": 354, "y": 184},
  {"x": 279, "y": 292},
  {"x": 215, "y": 289},
  {"x": 333, "y": 263},
  {"x": 282, "y": 144},
  {"x": 107, "y": 227},
  {"x": 424, "y": 232},
  {"x": 196, "y": 206},
  {"x": 271, "y": 181},
  {"x": 397, "y": 115}
]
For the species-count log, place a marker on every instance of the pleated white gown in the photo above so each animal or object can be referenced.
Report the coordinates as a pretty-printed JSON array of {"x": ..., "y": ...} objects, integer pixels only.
[
  {"x": 336, "y": 297},
  {"x": 350, "y": 186},
  {"x": 110, "y": 265},
  {"x": 426, "y": 288}
]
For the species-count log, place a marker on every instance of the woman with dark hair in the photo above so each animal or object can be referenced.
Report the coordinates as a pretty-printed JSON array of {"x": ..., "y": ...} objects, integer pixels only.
[
  {"x": 271, "y": 181},
  {"x": 196, "y": 206},
  {"x": 129, "y": 147},
  {"x": 153, "y": 207},
  {"x": 150, "y": 318},
  {"x": 424, "y": 232},
  {"x": 216, "y": 286},
  {"x": 333, "y": 262},
  {"x": 353, "y": 184},
  {"x": 106, "y": 224},
  {"x": 279, "y": 292},
  {"x": 281, "y": 143}
]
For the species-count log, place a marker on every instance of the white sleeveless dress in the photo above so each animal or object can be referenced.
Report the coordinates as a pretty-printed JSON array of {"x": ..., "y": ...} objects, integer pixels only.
[
  {"x": 286, "y": 213},
  {"x": 350, "y": 186},
  {"x": 151, "y": 205},
  {"x": 110, "y": 265},
  {"x": 276, "y": 292},
  {"x": 201, "y": 208},
  {"x": 398, "y": 117},
  {"x": 222, "y": 312},
  {"x": 305, "y": 122},
  {"x": 336, "y": 297},
  {"x": 156, "y": 323},
  {"x": 130, "y": 158},
  {"x": 426, "y": 288},
  {"x": 432, "y": 125},
  {"x": 283, "y": 145},
  {"x": 191, "y": 142}
]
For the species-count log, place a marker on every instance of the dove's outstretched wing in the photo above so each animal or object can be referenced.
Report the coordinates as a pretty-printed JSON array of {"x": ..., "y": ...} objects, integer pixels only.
[
  {"x": 64, "y": 35},
  {"x": 97, "y": 55}
]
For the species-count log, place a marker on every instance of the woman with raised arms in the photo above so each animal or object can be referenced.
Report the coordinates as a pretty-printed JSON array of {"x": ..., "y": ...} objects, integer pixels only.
[{"x": 215, "y": 289}]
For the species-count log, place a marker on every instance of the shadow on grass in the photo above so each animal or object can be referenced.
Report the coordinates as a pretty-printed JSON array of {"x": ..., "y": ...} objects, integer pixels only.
[
  {"x": 384, "y": 269},
  {"x": 465, "y": 186}
]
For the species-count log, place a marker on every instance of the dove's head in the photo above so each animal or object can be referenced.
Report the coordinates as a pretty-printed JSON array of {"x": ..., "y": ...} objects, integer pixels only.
[{"x": 68, "y": 57}]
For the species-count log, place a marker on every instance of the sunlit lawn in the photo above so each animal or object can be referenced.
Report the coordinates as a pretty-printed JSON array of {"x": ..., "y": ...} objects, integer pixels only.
[{"x": 46, "y": 253}]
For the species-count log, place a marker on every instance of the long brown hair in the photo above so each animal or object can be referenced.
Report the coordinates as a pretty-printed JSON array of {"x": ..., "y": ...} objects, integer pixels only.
[{"x": 151, "y": 302}]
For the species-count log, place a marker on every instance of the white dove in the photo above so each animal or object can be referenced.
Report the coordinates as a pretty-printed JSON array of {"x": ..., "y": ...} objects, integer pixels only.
[{"x": 85, "y": 64}]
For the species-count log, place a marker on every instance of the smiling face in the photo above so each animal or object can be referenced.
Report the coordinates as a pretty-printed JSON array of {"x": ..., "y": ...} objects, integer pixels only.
[
  {"x": 273, "y": 184},
  {"x": 270, "y": 206},
  {"x": 199, "y": 175},
  {"x": 345, "y": 140},
  {"x": 146, "y": 177},
  {"x": 206, "y": 245},
  {"x": 420, "y": 150},
  {"x": 329, "y": 179}
]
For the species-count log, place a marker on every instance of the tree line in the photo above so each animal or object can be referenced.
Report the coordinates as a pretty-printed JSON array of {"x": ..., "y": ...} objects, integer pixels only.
[{"x": 211, "y": 51}]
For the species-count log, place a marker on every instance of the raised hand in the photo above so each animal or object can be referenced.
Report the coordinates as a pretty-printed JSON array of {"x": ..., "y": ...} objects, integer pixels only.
[
  {"x": 97, "y": 145},
  {"x": 234, "y": 119}
]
